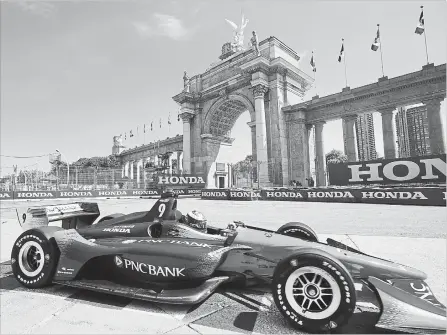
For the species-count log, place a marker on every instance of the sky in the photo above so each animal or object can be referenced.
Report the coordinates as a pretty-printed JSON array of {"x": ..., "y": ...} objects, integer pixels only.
[{"x": 76, "y": 73}]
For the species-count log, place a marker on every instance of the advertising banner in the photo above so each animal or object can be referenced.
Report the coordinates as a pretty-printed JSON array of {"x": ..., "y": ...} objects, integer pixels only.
[
  {"x": 6, "y": 195},
  {"x": 421, "y": 169},
  {"x": 218, "y": 194},
  {"x": 245, "y": 195},
  {"x": 402, "y": 196},
  {"x": 196, "y": 180}
]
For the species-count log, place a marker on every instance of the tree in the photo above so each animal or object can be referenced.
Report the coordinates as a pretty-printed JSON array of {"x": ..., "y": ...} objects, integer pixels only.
[
  {"x": 244, "y": 167},
  {"x": 336, "y": 157}
]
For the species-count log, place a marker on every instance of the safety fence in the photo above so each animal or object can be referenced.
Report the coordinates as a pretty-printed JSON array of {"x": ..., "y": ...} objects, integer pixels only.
[
  {"x": 18, "y": 195},
  {"x": 424, "y": 196}
]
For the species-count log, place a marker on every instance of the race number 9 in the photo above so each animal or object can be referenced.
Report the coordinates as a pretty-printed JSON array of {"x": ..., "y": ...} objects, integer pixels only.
[{"x": 161, "y": 209}]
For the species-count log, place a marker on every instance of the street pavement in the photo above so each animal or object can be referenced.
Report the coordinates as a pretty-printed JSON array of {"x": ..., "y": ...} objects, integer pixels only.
[{"x": 410, "y": 235}]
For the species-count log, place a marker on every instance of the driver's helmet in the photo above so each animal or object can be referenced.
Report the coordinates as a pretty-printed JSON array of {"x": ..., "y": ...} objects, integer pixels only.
[{"x": 196, "y": 220}]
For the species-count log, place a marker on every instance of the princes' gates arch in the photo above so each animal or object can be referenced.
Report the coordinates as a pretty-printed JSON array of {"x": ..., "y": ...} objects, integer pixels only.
[
  {"x": 286, "y": 133},
  {"x": 270, "y": 86}
]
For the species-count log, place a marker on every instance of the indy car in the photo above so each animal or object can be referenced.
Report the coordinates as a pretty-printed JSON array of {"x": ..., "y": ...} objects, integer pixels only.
[{"x": 154, "y": 256}]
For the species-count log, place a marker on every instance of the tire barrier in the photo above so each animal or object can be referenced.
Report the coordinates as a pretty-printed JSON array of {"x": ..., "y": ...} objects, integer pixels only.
[
  {"x": 17, "y": 195},
  {"x": 423, "y": 196}
]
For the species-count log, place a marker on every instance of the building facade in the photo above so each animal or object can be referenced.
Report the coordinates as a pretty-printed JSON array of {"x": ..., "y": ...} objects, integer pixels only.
[
  {"x": 412, "y": 132},
  {"x": 365, "y": 139}
]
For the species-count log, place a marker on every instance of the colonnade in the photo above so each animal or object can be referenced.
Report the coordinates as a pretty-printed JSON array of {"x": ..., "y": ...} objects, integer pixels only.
[{"x": 134, "y": 169}]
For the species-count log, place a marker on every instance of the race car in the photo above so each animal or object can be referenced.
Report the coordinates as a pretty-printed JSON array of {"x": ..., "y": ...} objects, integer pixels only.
[{"x": 155, "y": 256}]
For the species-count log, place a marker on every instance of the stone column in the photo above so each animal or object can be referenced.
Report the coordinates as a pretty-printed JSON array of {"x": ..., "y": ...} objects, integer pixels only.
[
  {"x": 131, "y": 169},
  {"x": 123, "y": 171},
  {"x": 186, "y": 117},
  {"x": 389, "y": 137},
  {"x": 252, "y": 125},
  {"x": 298, "y": 146},
  {"x": 261, "y": 134},
  {"x": 179, "y": 162},
  {"x": 308, "y": 172},
  {"x": 435, "y": 126},
  {"x": 139, "y": 165},
  {"x": 320, "y": 160},
  {"x": 349, "y": 137}
]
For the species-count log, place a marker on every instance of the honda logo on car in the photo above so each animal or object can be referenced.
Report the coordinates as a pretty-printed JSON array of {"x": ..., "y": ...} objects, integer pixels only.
[
  {"x": 118, "y": 230},
  {"x": 153, "y": 270}
]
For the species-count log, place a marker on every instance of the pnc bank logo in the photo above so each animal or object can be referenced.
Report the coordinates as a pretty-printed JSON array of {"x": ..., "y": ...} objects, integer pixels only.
[{"x": 118, "y": 261}]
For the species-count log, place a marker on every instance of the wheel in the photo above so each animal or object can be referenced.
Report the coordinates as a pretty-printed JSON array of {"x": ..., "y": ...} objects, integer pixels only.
[
  {"x": 110, "y": 217},
  {"x": 34, "y": 259},
  {"x": 298, "y": 230},
  {"x": 314, "y": 292}
]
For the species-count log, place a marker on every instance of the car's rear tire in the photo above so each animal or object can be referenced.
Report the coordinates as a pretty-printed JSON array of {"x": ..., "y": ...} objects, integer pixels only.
[
  {"x": 298, "y": 230},
  {"x": 34, "y": 259},
  {"x": 110, "y": 217},
  {"x": 314, "y": 292}
]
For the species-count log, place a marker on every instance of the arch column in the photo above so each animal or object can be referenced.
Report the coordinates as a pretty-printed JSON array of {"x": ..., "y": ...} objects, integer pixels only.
[
  {"x": 252, "y": 125},
  {"x": 187, "y": 117},
  {"x": 320, "y": 163},
  {"x": 179, "y": 162},
  {"x": 349, "y": 137},
  {"x": 259, "y": 91},
  {"x": 435, "y": 126},
  {"x": 139, "y": 166},
  {"x": 389, "y": 137},
  {"x": 131, "y": 169},
  {"x": 308, "y": 132}
]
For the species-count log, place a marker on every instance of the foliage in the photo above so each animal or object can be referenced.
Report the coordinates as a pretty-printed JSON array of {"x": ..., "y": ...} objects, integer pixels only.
[
  {"x": 94, "y": 162},
  {"x": 244, "y": 167},
  {"x": 336, "y": 157}
]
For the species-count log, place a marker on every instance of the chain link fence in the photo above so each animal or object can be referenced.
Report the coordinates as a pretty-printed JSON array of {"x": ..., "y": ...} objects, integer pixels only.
[{"x": 86, "y": 179}]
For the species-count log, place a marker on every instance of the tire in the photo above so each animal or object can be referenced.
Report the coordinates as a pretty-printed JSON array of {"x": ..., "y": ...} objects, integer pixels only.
[
  {"x": 298, "y": 230},
  {"x": 29, "y": 271},
  {"x": 332, "y": 280},
  {"x": 110, "y": 217}
]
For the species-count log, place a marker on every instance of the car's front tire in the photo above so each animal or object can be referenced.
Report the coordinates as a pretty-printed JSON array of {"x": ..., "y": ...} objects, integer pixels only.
[
  {"x": 314, "y": 292},
  {"x": 34, "y": 259}
]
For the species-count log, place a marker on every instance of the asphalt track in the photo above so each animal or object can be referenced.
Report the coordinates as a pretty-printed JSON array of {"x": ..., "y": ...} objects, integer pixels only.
[{"x": 410, "y": 235}]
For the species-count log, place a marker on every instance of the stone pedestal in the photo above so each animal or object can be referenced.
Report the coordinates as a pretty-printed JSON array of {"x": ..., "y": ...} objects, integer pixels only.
[
  {"x": 389, "y": 137},
  {"x": 320, "y": 160},
  {"x": 349, "y": 137},
  {"x": 298, "y": 143},
  {"x": 435, "y": 126}
]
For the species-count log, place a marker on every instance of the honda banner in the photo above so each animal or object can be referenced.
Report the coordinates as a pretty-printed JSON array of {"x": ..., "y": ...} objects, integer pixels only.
[
  {"x": 390, "y": 171},
  {"x": 197, "y": 181}
]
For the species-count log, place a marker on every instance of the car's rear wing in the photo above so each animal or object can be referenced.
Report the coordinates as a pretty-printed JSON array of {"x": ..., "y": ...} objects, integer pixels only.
[{"x": 74, "y": 215}]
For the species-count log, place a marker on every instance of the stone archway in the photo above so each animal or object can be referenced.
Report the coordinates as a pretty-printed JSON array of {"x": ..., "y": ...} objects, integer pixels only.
[
  {"x": 261, "y": 83},
  {"x": 219, "y": 120}
]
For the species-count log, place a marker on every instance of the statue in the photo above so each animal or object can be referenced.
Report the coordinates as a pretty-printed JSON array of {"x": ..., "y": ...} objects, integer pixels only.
[
  {"x": 186, "y": 82},
  {"x": 238, "y": 37},
  {"x": 118, "y": 141},
  {"x": 255, "y": 43}
]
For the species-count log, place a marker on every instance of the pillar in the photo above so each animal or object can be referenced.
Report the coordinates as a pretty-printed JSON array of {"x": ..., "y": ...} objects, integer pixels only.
[
  {"x": 252, "y": 125},
  {"x": 298, "y": 147},
  {"x": 139, "y": 165},
  {"x": 186, "y": 117},
  {"x": 308, "y": 172},
  {"x": 435, "y": 126},
  {"x": 179, "y": 162},
  {"x": 170, "y": 164},
  {"x": 131, "y": 169},
  {"x": 349, "y": 137},
  {"x": 261, "y": 134},
  {"x": 320, "y": 161},
  {"x": 123, "y": 171},
  {"x": 389, "y": 137}
]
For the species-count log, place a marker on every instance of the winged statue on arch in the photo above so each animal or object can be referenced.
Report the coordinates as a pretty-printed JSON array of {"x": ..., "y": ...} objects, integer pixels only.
[{"x": 238, "y": 37}]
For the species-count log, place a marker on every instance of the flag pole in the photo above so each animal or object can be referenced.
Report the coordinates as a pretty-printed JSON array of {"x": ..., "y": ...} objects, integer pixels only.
[
  {"x": 381, "y": 56},
  {"x": 344, "y": 61},
  {"x": 425, "y": 37}
]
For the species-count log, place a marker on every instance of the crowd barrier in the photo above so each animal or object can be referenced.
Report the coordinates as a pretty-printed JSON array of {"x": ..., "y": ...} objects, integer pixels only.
[
  {"x": 17, "y": 195},
  {"x": 399, "y": 196}
]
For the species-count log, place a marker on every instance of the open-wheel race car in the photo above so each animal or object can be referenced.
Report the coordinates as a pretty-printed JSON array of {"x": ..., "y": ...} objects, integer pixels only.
[{"x": 155, "y": 256}]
